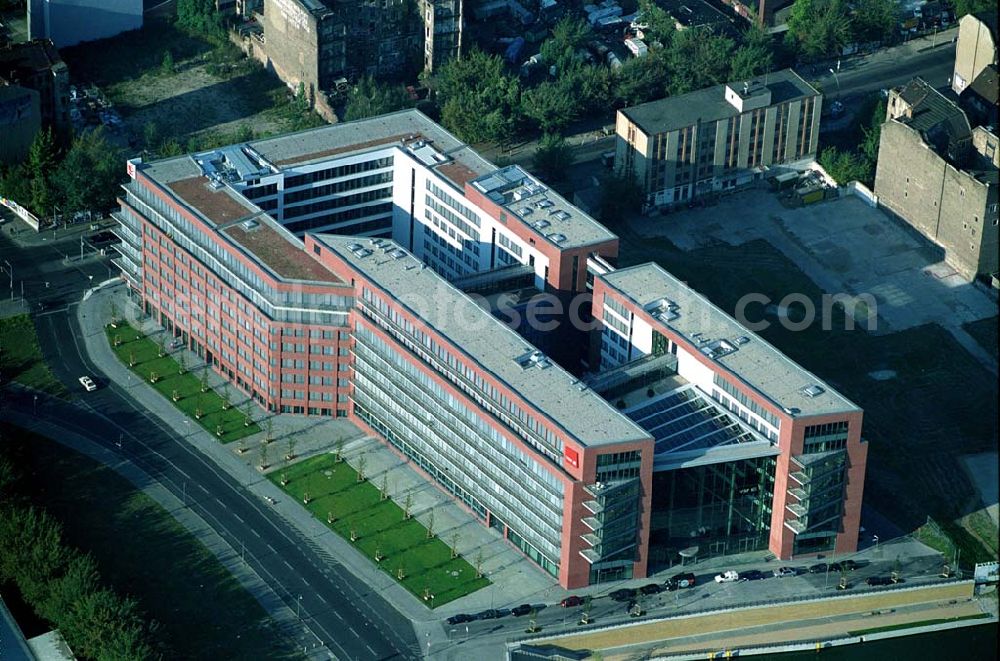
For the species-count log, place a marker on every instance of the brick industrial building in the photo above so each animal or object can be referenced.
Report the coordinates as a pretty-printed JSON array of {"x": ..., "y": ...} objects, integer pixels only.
[
  {"x": 317, "y": 42},
  {"x": 939, "y": 173},
  {"x": 718, "y": 138},
  {"x": 241, "y": 253},
  {"x": 35, "y": 66}
]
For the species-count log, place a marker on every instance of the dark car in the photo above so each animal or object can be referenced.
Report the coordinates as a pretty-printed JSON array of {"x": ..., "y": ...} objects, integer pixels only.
[
  {"x": 651, "y": 588},
  {"x": 678, "y": 581},
  {"x": 850, "y": 565},
  {"x": 460, "y": 618},
  {"x": 753, "y": 575},
  {"x": 523, "y": 609},
  {"x": 622, "y": 595},
  {"x": 878, "y": 580},
  {"x": 488, "y": 614},
  {"x": 819, "y": 568},
  {"x": 571, "y": 601}
]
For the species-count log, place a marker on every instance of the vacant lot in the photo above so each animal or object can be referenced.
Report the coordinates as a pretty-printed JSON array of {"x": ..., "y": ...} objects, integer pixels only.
[
  {"x": 938, "y": 406},
  {"x": 202, "y": 612},
  {"x": 381, "y": 529},
  {"x": 21, "y": 358},
  {"x": 188, "y": 392},
  {"x": 210, "y": 91}
]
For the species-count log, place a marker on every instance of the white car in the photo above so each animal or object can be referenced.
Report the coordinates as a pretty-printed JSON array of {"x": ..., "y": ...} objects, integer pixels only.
[
  {"x": 727, "y": 577},
  {"x": 87, "y": 383}
]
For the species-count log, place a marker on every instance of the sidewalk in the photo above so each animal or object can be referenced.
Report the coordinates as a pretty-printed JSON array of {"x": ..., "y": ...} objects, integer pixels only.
[
  {"x": 282, "y": 615},
  {"x": 26, "y": 237}
]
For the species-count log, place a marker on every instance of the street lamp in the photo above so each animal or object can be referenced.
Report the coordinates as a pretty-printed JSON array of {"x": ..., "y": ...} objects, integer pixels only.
[
  {"x": 298, "y": 607},
  {"x": 875, "y": 539},
  {"x": 836, "y": 79}
]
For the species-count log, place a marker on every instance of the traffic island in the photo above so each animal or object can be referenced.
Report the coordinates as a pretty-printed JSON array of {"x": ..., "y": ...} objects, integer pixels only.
[{"x": 336, "y": 494}]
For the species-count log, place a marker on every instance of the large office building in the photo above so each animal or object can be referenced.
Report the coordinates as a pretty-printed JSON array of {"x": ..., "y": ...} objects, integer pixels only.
[
  {"x": 70, "y": 22},
  {"x": 327, "y": 273},
  {"x": 718, "y": 138}
]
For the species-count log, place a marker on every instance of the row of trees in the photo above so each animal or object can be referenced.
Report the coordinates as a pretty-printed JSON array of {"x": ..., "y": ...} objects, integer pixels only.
[
  {"x": 481, "y": 102},
  {"x": 62, "y": 585},
  {"x": 83, "y": 177},
  {"x": 821, "y": 28}
]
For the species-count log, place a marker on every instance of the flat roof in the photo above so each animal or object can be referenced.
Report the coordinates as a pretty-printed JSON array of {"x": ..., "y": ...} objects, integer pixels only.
[
  {"x": 544, "y": 211},
  {"x": 709, "y": 104},
  {"x": 556, "y": 393},
  {"x": 748, "y": 356},
  {"x": 278, "y": 249},
  {"x": 407, "y": 129},
  {"x": 219, "y": 205}
]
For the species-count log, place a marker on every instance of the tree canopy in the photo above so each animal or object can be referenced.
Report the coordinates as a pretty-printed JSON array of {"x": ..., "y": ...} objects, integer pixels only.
[
  {"x": 819, "y": 28},
  {"x": 370, "y": 98},
  {"x": 479, "y": 101},
  {"x": 698, "y": 59}
]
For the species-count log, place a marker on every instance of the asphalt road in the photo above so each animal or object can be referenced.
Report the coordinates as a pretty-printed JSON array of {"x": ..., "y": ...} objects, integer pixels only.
[
  {"x": 883, "y": 70},
  {"x": 351, "y": 621}
]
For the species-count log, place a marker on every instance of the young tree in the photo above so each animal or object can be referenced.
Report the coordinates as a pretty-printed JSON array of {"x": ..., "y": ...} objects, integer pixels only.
[
  {"x": 338, "y": 451},
  {"x": 384, "y": 489},
  {"x": 407, "y": 506},
  {"x": 263, "y": 457},
  {"x": 167, "y": 65},
  {"x": 200, "y": 17},
  {"x": 226, "y": 397},
  {"x": 430, "y": 525},
  {"x": 362, "y": 462},
  {"x": 292, "y": 440}
]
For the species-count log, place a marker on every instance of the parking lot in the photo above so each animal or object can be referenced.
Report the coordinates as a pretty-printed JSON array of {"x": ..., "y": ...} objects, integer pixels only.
[{"x": 843, "y": 246}]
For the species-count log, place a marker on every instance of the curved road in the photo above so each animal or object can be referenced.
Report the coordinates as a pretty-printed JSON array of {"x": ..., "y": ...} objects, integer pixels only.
[{"x": 352, "y": 621}]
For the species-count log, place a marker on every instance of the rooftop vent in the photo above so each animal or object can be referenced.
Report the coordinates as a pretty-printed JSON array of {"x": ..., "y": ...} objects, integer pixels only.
[
  {"x": 398, "y": 253},
  {"x": 544, "y": 203},
  {"x": 718, "y": 349},
  {"x": 557, "y": 238},
  {"x": 250, "y": 224},
  {"x": 533, "y": 358},
  {"x": 360, "y": 252},
  {"x": 813, "y": 391},
  {"x": 525, "y": 211},
  {"x": 376, "y": 242},
  {"x": 742, "y": 339},
  {"x": 520, "y": 194},
  {"x": 561, "y": 215},
  {"x": 533, "y": 188},
  {"x": 665, "y": 310},
  {"x": 541, "y": 224}
]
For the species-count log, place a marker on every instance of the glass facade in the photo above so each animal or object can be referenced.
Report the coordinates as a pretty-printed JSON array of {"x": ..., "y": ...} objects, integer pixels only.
[
  {"x": 455, "y": 444},
  {"x": 816, "y": 497},
  {"x": 721, "y": 508}
]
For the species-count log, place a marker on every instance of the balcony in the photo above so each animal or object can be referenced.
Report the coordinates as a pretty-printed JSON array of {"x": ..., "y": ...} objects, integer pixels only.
[
  {"x": 797, "y": 527},
  {"x": 798, "y": 493},
  {"x": 593, "y": 506},
  {"x": 590, "y": 555},
  {"x": 800, "y": 477},
  {"x": 591, "y": 539},
  {"x": 592, "y": 522},
  {"x": 797, "y": 510}
]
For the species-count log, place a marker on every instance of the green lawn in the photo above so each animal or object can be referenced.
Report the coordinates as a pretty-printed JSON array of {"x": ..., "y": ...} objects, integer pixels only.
[
  {"x": 913, "y": 625},
  {"x": 917, "y": 424},
  {"x": 201, "y": 610},
  {"x": 21, "y": 358},
  {"x": 145, "y": 354},
  {"x": 380, "y": 526}
]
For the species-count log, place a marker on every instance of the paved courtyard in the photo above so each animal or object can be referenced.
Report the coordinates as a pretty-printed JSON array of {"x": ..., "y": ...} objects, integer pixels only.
[{"x": 844, "y": 246}]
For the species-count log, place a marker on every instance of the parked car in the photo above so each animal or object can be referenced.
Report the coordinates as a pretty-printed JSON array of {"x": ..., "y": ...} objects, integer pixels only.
[
  {"x": 850, "y": 565},
  {"x": 523, "y": 609},
  {"x": 571, "y": 601},
  {"x": 622, "y": 595},
  {"x": 819, "y": 568},
  {"x": 460, "y": 618},
  {"x": 727, "y": 577},
  {"x": 488, "y": 614},
  {"x": 87, "y": 383},
  {"x": 878, "y": 580},
  {"x": 651, "y": 588},
  {"x": 684, "y": 580},
  {"x": 753, "y": 575},
  {"x": 782, "y": 572}
]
